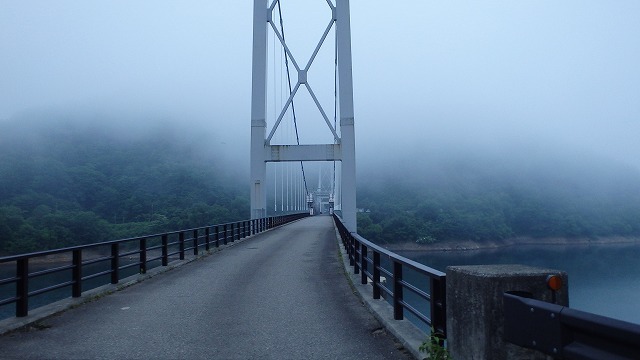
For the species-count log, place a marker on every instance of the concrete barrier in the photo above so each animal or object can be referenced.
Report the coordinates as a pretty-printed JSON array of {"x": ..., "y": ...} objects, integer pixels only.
[{"x": 475, "y": 316}]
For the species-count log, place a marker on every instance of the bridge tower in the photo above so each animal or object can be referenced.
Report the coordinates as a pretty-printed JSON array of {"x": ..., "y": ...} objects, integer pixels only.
[{"x": 262, "y": 148}]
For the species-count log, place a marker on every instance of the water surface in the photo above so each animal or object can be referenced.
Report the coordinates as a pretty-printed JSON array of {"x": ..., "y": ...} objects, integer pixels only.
[{"x": 603, "y": 279}]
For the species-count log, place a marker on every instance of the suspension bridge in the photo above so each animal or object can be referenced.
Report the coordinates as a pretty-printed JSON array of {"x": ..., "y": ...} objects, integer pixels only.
[
  {"x": 277, "y": 136},
  {"x": 274, "y": 286},
  {"x": 280, "y": 295}
]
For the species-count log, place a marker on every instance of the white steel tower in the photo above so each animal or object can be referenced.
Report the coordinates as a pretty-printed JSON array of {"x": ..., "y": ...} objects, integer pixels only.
[{"x": 343, "y": 147}]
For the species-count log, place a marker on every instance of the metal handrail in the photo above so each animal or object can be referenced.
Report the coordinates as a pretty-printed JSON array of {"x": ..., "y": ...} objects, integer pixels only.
[
  {"x": 206, "y": 237},
  {"x": 566, "y": 333},
  {"x": 358, "y": 249}
]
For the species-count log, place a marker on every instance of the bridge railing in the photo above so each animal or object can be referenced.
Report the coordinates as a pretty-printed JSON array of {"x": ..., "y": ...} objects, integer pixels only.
[
  {"x": 565, "y": 333},
  {"x": 367, "y": 259},
  {"x": 104, "y": 262}
]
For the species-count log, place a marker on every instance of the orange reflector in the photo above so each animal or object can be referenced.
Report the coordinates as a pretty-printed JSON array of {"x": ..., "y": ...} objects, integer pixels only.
[{"x": 554, "y": 282}]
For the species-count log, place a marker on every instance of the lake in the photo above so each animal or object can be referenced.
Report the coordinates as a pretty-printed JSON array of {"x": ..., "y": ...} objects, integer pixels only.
[{"x": 603, "y": 279}]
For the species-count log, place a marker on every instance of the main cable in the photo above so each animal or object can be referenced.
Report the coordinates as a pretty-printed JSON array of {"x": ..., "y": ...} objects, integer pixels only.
[{"x": 293, "y": 109}]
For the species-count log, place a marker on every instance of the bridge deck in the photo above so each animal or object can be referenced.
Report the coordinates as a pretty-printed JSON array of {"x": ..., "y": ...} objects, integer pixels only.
[{"x": 281, "y": 294}]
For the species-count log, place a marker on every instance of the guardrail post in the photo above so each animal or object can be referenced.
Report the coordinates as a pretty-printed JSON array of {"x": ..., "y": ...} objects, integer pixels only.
[
  {"x": 376, "y": 275},
  {"x": 224, "y": 234},
  {"x": 363, "y": 263},
  {"x": 181, "y": 244},
  {"x": 351, "y": 250},
  {"x": 195, "y": 242},
  {"x": 341, "y": 232},
  {"x": 234, "y": 231},
  {"x": 143, "y": 255},
  {"x": 165, "y": 249},
  {"x": 76, "y": 274},
  {"x": 22, "y": 287},
  {"x": 115, "y": 263},
  {"x": 398, "y": 313},
  {"x": 206, "y": 236},
  {"x": 438, "y": 306},
  {"x": 216, "y": 230},
  {"x": 356, "y": 256}
]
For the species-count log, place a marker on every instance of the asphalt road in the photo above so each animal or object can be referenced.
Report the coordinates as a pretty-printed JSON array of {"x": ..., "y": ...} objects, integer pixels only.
[{"x": 279, "y": 295}]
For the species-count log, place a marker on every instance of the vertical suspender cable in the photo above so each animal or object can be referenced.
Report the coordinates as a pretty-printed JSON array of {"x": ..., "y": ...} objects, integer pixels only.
[{"x": 275, "y": 168}]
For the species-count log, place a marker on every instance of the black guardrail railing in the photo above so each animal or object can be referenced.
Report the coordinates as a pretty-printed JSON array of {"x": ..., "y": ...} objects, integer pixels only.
[
  {"x": 366, "y": 259},
  {"x": 565, "y": 333},
  {"x": 109, "y": 259}
]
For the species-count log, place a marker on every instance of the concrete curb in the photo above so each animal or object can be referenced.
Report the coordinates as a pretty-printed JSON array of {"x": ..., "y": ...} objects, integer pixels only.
[{"x": 403, "y": 330}]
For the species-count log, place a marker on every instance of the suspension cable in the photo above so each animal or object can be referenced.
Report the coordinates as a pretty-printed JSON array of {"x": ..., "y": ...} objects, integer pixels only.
[
  {"x": 335, "y": 107},
  {"x": 293, "y": 109},
  {"x": 275, "y": 169}
]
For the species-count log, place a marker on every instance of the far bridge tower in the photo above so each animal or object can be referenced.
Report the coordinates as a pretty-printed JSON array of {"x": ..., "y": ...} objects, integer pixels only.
[{"x": 268, "y": 22}]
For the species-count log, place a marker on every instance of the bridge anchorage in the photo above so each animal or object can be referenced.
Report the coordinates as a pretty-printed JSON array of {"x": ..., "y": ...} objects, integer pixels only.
[{"x": 282, "y": 143}]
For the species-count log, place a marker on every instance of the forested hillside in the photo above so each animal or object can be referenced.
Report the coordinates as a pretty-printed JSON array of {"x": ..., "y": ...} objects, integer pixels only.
[
  {"x": 69, "y": 181},
  {"x": 65, "y": 182},
  {"x": 483, "y": 198}
]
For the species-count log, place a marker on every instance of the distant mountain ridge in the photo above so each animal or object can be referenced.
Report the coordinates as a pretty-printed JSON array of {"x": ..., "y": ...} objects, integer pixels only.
[
  {"x": 65, "y": 181},
  {"x": 483, "y": 197}
]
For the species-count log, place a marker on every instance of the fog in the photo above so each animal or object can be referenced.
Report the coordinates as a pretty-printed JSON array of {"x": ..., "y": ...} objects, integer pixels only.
[{"x": 508, "y": 82}]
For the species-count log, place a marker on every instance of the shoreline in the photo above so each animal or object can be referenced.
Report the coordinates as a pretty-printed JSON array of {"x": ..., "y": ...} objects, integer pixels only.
[{"x": 468, "y": 245}]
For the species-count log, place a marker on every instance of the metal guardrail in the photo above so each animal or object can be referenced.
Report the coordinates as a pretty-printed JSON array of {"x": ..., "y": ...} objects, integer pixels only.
[
  {"x": 146, "y": 250},
  {"x": 565, "y": 333},
  {"x": 365, "y": 257}
]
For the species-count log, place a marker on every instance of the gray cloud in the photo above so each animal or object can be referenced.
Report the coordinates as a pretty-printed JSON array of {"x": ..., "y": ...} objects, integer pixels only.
[{"x": 429, "y": 77}]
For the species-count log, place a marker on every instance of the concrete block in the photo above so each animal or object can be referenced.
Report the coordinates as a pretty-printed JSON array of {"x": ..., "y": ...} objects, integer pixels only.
[{"x": 475, "y": 316}]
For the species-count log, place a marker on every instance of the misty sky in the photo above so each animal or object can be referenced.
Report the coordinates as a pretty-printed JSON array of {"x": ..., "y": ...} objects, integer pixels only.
[{"x": 429, "y": 76}]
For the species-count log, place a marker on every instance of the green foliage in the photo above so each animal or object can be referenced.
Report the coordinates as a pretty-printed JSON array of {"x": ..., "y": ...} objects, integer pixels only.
[
  {"x": 64, "y": 184},
  {"x": 493, "y": 206},
  {"x": 434, "y": 349}
]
